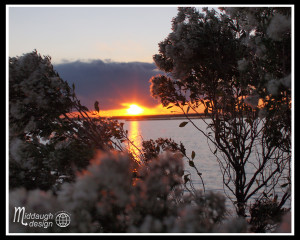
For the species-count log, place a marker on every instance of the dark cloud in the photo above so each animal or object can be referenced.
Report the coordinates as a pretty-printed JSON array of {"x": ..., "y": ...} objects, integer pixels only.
[{"x": 111, "y": 83}]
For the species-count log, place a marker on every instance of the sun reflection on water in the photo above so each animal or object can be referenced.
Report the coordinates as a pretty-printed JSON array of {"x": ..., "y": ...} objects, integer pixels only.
[{"x": 134, "y": 134}]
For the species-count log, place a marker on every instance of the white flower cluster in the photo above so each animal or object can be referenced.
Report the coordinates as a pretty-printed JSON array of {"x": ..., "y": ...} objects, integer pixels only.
[
  {"x": 36, "y": 92},
  {"x": 279, "y": 25},
  {"x": 242, "y": 64},
  {"x": 106, "y": 198},
  {"x": 274, "y": 84},
  {"x": 103, "y": 187},
  {"x": 263, "y": 26},
  {"x": 16, "y": 147},
  {"x": 19, "y": 155},
  {"x": 182, "y": 45}
]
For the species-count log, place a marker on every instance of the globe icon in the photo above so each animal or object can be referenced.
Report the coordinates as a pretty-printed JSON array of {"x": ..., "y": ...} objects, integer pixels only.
[{"x": 63, "y": 219}]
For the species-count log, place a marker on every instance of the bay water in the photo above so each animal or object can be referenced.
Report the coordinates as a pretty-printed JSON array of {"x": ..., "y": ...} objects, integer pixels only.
[{"x": 193, "y": 140}]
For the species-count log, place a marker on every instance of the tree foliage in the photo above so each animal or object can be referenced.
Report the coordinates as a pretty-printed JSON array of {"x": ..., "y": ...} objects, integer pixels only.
[
  {"x": 51, "y": 134},
  {"x": 53, "y": 164},
  {"x": 105, "y": 198},
  {"x": 236, "y": 64}
]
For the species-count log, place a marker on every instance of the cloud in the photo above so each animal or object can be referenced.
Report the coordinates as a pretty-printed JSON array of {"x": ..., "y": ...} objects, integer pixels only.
[{"x": 110, "y": 83}]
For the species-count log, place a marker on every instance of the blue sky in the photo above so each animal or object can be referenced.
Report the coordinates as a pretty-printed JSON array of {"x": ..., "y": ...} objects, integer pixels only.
[
  {"x": 68, "y": 33},
  {"x": 105, "y": 50}
]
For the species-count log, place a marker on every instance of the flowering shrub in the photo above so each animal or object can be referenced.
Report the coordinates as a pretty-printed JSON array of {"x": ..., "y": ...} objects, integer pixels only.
[
  {"x": 224, "y": 62},
  {"x": 37, "y": 95},
  {"x": 47, "y": 140},
  {"x": 236, "y": 65},
  {"x": 107, "y": 198},
  {"x": 35, "y": 201}
]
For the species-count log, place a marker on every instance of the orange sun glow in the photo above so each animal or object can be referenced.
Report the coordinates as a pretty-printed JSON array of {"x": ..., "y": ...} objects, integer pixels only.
[{"x": 134, "y": 110}]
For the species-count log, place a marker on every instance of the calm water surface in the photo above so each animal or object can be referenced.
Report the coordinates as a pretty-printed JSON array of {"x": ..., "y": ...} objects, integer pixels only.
[{"x": 192, "y": 139}]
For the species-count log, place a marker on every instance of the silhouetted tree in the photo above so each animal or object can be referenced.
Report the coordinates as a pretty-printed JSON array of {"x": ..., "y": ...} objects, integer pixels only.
[
  {"x": 236, "y": 65},
  {"x": 51, "y": 135}
]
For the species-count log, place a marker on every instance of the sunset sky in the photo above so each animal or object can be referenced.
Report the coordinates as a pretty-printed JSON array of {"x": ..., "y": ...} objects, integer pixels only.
[{"x": 105, "y": 50}]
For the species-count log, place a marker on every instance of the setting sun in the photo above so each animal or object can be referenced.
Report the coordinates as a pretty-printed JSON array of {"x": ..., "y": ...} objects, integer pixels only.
[{"x": 134, "y": 109}]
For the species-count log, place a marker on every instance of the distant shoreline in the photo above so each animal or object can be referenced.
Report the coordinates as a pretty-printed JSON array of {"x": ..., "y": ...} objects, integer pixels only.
[{"x": 159, "y": 117}]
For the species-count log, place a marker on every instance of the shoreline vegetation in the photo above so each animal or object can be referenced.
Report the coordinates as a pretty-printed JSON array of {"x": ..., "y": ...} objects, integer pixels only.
[{"x": 93, "y": 171}]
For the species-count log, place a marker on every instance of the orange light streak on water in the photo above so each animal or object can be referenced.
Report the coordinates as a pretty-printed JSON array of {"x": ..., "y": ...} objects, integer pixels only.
[{"x": 134, "y": 135}]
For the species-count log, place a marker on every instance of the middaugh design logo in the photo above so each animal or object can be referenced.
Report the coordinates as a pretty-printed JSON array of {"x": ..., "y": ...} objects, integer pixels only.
[{"x": 45, "y": 220}]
